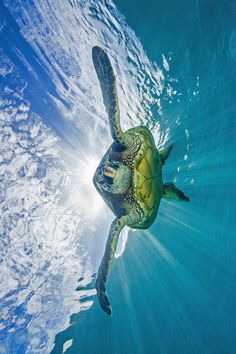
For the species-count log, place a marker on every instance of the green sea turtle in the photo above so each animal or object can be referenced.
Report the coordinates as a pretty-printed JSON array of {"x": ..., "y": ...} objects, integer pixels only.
[{"x": 129, "y": 176}]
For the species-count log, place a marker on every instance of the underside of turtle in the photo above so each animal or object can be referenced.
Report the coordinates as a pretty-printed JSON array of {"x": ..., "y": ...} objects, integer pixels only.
[{"x": 129, "y": 176}]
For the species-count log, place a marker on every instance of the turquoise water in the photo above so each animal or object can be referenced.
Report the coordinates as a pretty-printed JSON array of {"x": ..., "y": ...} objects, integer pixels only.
[{"x": 173, "y": 288}]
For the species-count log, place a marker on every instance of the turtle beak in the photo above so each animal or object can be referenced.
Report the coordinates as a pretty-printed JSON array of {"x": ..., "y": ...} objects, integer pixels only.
[
  {"x": 98, "y": 179},
  {"x": 103, "y": 179}
]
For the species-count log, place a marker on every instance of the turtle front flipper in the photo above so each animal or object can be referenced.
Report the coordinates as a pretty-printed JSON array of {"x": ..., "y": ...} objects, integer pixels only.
[
  {"x": 105, "y": 266},
  {"x": 107, "y": 82}
]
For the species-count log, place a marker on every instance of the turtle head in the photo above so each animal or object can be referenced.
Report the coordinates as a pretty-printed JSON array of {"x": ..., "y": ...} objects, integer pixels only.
[{"x": 113, "y": 177}]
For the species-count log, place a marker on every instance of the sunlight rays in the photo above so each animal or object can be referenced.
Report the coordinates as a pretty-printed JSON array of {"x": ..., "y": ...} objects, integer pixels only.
[{"x": 82, "y": 160}]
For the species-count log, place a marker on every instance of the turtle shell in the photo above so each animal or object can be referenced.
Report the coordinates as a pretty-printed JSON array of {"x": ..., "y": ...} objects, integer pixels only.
[{"x": 147, "y": 176}]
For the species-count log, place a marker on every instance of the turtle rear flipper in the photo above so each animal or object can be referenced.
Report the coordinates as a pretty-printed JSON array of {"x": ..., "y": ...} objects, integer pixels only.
[
  {"x": 107, "y": 82},
  {"x": 164, "y": 153},
  {"x": 170, "y": 191},
  {"x": 105, "y": 266}
]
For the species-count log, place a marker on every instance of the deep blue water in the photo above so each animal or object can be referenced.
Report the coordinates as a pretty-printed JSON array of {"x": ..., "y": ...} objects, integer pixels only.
[{"x": 173, "y": 289}]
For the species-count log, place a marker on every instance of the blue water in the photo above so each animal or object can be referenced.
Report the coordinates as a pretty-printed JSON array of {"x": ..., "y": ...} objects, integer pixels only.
[{"x": 173, "y": 288}]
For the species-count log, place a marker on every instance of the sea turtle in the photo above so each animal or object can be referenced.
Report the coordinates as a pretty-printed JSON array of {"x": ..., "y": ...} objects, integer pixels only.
[{"x": 129, "y": 176}]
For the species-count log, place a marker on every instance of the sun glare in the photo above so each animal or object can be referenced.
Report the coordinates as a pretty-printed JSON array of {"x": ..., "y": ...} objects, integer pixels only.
[{"x": 85, "y": 194}]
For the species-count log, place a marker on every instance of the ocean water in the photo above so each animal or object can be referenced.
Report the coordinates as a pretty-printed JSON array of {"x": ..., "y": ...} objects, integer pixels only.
[{"x": 172, "y": 287}]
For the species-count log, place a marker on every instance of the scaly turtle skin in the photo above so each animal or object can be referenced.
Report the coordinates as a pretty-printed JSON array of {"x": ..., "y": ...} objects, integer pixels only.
[{"x": 129, "y": 177}]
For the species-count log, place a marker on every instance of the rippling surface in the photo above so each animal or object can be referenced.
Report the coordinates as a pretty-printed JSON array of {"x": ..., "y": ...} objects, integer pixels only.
[{"x": 173, "y": 289}]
